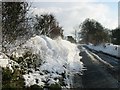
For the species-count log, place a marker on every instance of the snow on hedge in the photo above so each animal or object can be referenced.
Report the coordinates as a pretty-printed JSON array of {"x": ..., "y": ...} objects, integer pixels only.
[
  {"x": 3, "y": 60},
  {"x": 58, "y": 56},
  {"x": 107, "y": 48},
  {"x": 6, "y": 62}
]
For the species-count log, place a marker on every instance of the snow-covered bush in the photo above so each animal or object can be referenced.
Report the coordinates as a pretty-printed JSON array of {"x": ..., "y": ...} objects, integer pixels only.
[
  {"x": 48, "y": 62},
  {"x": 27, "y": 59}
]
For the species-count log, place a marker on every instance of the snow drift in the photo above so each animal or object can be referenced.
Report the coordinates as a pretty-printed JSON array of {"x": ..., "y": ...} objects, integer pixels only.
[
  {"x": 110, "y": 49},
  {"x": 58, "y": 57},
  {"x": 6, "y": 62},
  {"x": 3, "y": 60}
]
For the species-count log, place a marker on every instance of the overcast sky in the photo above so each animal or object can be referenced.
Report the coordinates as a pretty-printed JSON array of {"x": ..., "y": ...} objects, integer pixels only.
[{"x": 71, "y": 14}]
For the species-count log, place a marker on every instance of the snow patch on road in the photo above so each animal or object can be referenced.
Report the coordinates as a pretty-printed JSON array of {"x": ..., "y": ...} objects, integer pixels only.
[
  {"x": 91, "y": 56},
  {"x": 101, "y": 60}
]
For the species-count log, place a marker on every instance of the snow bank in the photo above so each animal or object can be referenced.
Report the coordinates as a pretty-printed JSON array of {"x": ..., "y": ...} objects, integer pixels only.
[
  {"x": 58, "y": 57},
  {"x": 6, "y": 62},
  {"x": 110, "y": 49},
  {"x": 3, "y": 60}
]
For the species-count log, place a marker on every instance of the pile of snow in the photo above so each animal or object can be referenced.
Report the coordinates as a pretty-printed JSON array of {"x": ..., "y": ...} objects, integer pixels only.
[
  {"x": 107, "y": 48},
  {"x": 58, "y": 57},
  {"x": 3, "y": 60},
  {"x": 6, "y": 62}
]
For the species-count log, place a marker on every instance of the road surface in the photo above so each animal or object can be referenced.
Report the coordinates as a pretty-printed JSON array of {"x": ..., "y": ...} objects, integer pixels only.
[
  {"x": 115, "y": 62},
  {"x": 96, "y": 75}
]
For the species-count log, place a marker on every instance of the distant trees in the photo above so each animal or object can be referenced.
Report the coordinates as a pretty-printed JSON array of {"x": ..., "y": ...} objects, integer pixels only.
[
  {"x": 14, "y": 20},
  {"x": 93, "y": 32},
  {"x": 46, "y": 24},
  {"x": 116, "y": 36},
  {"x": 71, "y": 39},
  {"x": 19, "y": 25}
]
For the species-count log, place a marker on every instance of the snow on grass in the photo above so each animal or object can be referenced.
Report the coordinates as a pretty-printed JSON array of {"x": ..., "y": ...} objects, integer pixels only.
[
  {"x": 107, "y": 48},
  {"x": 58, "y": 57}
]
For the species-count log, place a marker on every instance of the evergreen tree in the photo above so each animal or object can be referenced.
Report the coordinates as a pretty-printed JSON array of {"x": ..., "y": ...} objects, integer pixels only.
[
  {"x": 46, "y": 24},
  {"x": 116, "y": 36},
  {"x": 14, "y": 20},
  {"x": 93, "y": 32}
]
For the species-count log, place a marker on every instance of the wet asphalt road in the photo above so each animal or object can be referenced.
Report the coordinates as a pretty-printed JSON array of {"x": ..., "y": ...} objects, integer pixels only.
[
  {"x": 115, "y": 62},
  {"x": 96, "y": 75}
]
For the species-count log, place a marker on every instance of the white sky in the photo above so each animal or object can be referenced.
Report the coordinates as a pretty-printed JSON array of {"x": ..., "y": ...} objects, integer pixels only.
[
  {"x": 71, "y": 14},
  {"x": 72, "y": 0}
]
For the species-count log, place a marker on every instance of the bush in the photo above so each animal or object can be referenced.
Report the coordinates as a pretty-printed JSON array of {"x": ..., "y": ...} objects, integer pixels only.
[
  {"x": 55, "y": 86},
  {"x": 20, "y": 59},
  {"x": 6, "y": 74},
  {"x": 12, "y": 80},
  {"x": 36, "y": 87},
  {"x": 6, "y": 87}
]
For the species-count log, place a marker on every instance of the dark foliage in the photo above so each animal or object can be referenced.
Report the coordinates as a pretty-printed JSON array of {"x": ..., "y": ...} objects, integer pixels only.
[
  {"x": 93, "y": 32},
  {"x": 47, "y": 24},
  {"x": 14, "y": 20},
  {"x": 116, "y": 36}
]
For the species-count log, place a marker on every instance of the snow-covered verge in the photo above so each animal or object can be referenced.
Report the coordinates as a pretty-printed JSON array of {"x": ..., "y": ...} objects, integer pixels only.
[
  {"x": 110, "y": 49},
  {"x": 48, "y": 61}
]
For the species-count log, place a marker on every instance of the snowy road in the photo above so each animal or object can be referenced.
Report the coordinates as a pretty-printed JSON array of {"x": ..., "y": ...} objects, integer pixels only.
[
  {"x": 110, "y": 59},
  {"x": 115, "y": 62},
  {"x": 96, "y": 75}
]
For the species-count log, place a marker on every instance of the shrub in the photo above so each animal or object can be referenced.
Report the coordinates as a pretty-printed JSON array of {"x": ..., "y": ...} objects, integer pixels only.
[
  {"x": 36, "y": 87},
  {"x": 12, "y": 80},
  {"x": 6, "y": 74},
  {"x": 55, "y": 86}
]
